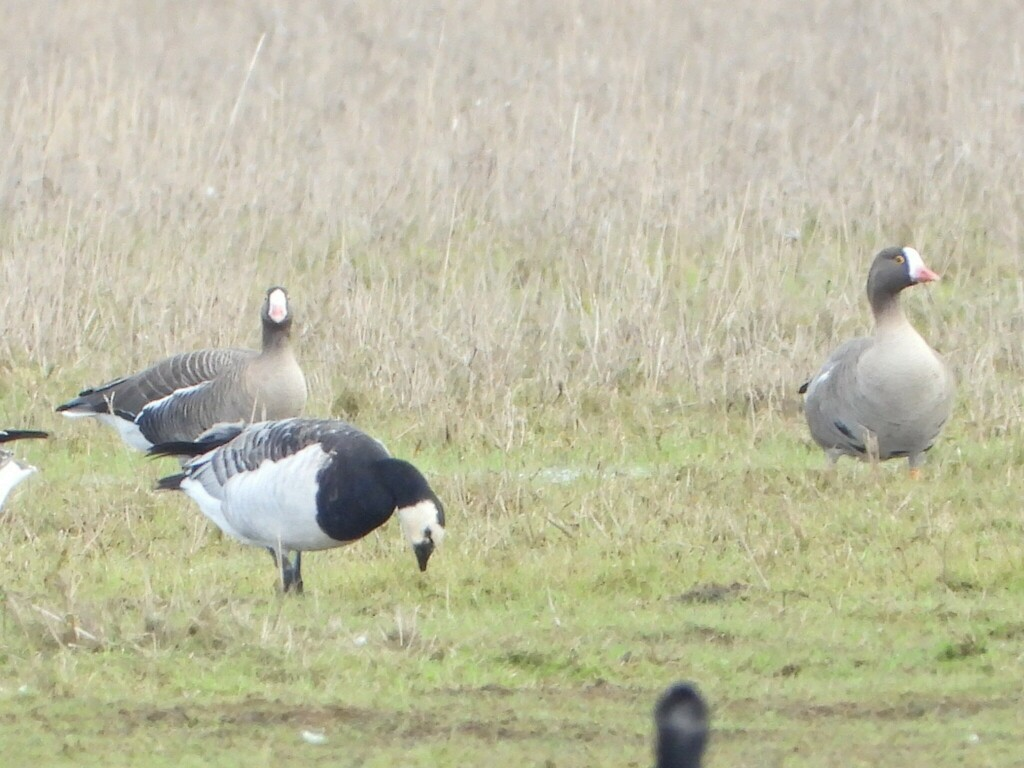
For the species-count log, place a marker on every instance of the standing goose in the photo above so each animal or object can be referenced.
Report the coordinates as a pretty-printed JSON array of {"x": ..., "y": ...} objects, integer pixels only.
[
  {"x": 303, "y": 484},
  {"x": 889, "y": 394},
  {"x": 179, "y": 398},
  {"x": 681, "y": 723},
  {"x": 13, "y": 471}
]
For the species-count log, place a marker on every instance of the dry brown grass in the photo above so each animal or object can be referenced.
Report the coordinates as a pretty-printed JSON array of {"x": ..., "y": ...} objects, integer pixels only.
[{"x": 477, "y": 199}]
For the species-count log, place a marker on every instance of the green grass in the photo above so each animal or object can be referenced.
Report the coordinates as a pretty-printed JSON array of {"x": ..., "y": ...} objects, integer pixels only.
[
  {"x": 861, "y": 617},
  {"x": 573, "y": 261}
]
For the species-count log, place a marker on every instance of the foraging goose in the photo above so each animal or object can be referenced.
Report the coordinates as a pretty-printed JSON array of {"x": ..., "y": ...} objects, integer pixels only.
[
  {"x": 182, "y": 396},
  {"x": 681, "y": 721},
  {"x": 889, "y": 394},
  {"x": 13, "y": 471},
  {"x": 303, "y": 484}
]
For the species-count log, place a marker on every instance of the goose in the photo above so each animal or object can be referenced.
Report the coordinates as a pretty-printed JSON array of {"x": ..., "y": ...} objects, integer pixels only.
[
  {"x": 298, "y": 485},
  {"x": 681, "y": 725},
  {"x": 180, "y": 397},
  {"x": 887, "y": 395},
  {"x": 13, "y": 471}
]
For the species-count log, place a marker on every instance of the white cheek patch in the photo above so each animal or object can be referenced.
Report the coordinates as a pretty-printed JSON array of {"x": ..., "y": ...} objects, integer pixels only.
[
  {"x": 419, "y": 518},
  {"x": 278, "y": 302},
  {"x": 915, "y": 264}
]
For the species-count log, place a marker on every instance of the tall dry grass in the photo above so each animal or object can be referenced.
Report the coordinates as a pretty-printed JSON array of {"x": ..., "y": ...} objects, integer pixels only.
[{"x": 487, "y": 203}]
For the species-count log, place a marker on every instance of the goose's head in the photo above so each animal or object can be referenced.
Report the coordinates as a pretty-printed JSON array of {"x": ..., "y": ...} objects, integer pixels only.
[
  {"x": 681, "y": 722},
  {"x": 895, "y": 269},
  {"x": 420, "y": 512},
  {"x": 423, "y": 526},
  {"x": 275, "y": 309}
]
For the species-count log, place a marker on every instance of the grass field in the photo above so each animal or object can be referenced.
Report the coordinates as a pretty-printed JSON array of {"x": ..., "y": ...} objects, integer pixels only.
[{"x": 573, "y": 260}]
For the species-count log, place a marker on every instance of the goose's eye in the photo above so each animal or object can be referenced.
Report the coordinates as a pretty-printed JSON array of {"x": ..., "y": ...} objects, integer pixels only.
[{"x": 900, "y": 258}]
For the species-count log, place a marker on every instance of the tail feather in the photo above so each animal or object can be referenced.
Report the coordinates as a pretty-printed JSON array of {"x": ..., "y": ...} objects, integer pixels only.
[
  {"x": 177, "y": 448},
  {"x": 85, "y": 404},
  {"x": 92, "y": 399},
  {"x": 212, "y": 438},
  {"x": 171, "y": 482},
  {"x": 7, "y": 435}
]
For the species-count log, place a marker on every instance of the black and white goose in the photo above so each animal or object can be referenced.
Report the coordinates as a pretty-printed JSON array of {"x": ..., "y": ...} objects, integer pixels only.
[
  {"x": 13, "y": 471},
  {"x": 681, "y": 725},
  {"x": 180, "y": 397},
  {"x": 300, "y": 485}
]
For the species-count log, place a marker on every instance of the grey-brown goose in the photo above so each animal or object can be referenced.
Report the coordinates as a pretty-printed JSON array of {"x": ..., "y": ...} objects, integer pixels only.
[
  {"x": 182, "y": 396},
  {"x": 887, "y": 395},
  {"x": 13, "y": 471},
  {"x": 298, "y": 485}
]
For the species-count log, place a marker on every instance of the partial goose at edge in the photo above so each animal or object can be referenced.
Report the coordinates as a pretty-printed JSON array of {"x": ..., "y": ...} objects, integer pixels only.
[{"x": 12, "y": 470}]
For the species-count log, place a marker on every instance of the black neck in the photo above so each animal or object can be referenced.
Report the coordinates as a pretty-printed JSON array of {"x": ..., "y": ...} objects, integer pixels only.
[
  {"x": 679, "y": 750},
  {"x": 404, "y": 481},
  {"x": 352, "y": 502}
]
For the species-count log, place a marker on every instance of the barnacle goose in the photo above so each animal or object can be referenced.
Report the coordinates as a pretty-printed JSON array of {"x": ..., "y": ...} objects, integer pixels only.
[{"x": 298, "y": 485}]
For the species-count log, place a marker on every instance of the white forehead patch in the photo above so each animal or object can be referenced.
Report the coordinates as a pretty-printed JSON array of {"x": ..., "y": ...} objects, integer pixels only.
[
  {"x": 278, "y": 305},
  {"x": 915, "y": 264},
  {"x": 419, "y": 518}
]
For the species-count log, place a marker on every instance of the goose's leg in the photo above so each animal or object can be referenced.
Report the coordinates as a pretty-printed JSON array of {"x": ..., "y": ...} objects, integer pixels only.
[
  {"x": 831, "y": 459},
  {"x": 871, "y": 449},
  {"x": 291, "y": 575},
  {"x": 297, "y": 573},
  {"x": 915, "y": 460},
  {"x": 280, "y": 561}
]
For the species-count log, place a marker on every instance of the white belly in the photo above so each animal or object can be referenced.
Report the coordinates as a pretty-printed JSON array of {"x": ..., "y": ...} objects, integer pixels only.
[{"x": 275, "y": 505}]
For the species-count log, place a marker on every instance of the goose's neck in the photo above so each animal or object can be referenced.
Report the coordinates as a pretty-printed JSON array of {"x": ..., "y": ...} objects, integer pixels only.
[
  {"x": 275, "y": 338},
  {"x": 888, "y": 312}
]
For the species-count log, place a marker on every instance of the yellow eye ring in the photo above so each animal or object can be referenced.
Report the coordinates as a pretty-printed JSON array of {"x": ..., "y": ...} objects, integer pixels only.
[{"x": 900, "y": 258}]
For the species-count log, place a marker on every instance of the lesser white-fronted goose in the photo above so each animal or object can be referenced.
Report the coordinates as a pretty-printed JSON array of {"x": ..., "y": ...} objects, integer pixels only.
[
  {"x": 303, "y": 484},
  {"x": 13, "y": 471},
  {"x": 182, "y": 396},
  {"x": 681, "y": 727},
  {"x": 887, "y": 395}
]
